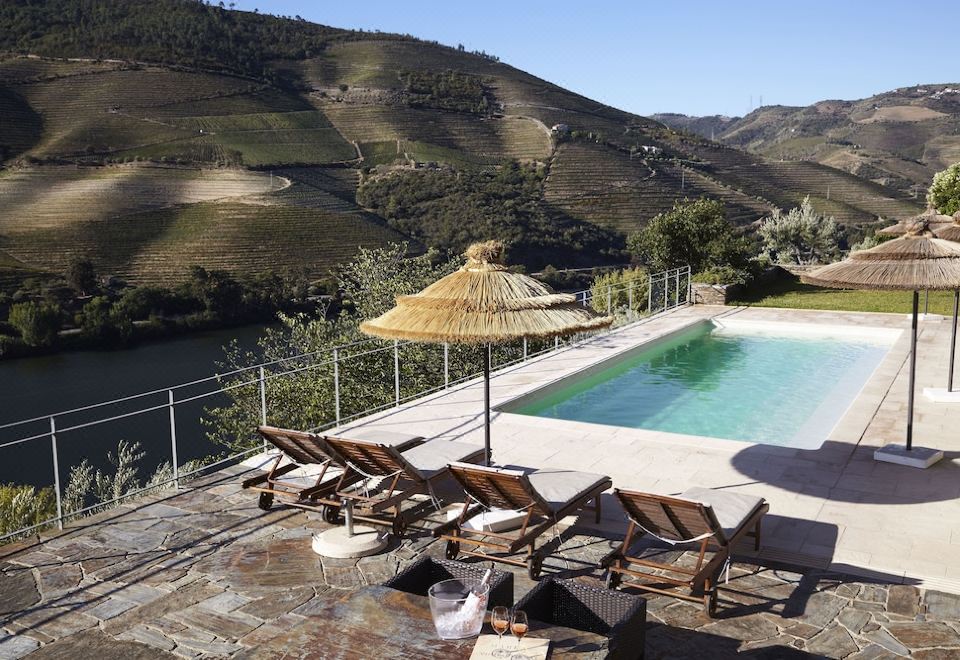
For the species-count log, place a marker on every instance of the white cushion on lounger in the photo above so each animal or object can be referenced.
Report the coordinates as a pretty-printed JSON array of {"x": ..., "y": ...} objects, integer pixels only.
[
  {"x": 434, "y": 456},
  {"x": 391, "y": 438},
  {"x": 731, "y": 509},
  {"x": 560, "y": 487}
]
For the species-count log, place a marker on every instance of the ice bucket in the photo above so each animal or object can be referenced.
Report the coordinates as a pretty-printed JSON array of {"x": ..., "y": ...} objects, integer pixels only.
[{"x": 457, "y": 613}]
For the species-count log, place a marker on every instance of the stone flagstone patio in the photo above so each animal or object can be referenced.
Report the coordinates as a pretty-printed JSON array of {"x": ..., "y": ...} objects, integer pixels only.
[{"x": 205, "y": 573}]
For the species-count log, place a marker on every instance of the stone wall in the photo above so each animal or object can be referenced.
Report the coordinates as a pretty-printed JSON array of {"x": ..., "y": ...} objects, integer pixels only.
[{"x": 714, "y": 294}]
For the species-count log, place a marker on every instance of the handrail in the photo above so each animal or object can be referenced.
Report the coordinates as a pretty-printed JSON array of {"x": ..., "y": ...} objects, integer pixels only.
[{"x": 674, "y": 276}]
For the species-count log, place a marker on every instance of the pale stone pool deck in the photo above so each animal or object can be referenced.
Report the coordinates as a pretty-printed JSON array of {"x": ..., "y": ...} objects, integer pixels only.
[{"x": 833, "y": 507}]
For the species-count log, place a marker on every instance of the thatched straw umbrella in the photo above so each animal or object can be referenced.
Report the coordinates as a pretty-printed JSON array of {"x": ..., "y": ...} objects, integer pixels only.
[
  {"x": 929, "y": 218},
  {"x": 484, "y": 303},
  {"x": 912, "y": 262}
]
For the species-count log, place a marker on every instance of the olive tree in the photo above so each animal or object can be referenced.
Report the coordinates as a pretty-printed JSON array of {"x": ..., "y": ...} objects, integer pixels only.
[
  {"x": 944, "y": 193},
  {"x": 800, "y": 236}
]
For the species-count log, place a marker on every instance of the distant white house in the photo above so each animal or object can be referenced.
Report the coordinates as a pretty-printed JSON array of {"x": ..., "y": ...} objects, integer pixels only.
[
  {"x": 650, "y": 149},
  {"x": 560, "y": 129}
]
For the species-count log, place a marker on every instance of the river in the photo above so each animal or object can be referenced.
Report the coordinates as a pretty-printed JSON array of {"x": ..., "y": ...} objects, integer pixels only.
[{"x": 41, "y": 386}]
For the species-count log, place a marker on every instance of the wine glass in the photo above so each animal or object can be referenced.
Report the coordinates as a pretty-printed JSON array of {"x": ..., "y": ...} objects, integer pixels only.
[
  {"x": 519, "y": 626},
  {"x": 500, "y": 620}
]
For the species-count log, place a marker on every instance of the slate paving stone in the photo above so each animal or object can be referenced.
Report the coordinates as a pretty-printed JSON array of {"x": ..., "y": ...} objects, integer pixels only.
[
  {"x": 230, "y": 626},
  {"x": 18, "y": 591},
  {"x": 16, "y": 646},
  {"x": 749, "y": 628},
  {"x": 821, "y": 609},
  {"x": 903, "y": 599},
  {"x": 936, "y": 654},
  {"x": 884, "y": 639},
  {"x": 58, "y": 579},
  {"x": 149, "y": 636},
  {"x": 272, "y": 606},
  {"x": 225, "y": 602},
  {"x": 942, "y": 605},
  {"x": 924, "y": 635},
  {"x": 853, "y": 620},
  {"x": 110, "y": 608},
  {"x": 834, "y": 642}
]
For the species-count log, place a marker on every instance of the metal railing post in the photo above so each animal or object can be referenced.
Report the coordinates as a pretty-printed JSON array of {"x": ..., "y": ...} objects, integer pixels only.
[
  {"x": 649, "y": 294},
  {"x": 446, "y": 365},
  {"x": 396, "y": 371},
  {"x": 336, "y": 384},
  {"x": 173, "y": 442},
  {"x": 609, "y": 298},
  {"x": 665, "y": 292},
  {"x": 56, "y": 472},
  {"x": 524, "y": 349},
  {"x": 556, "y": 342},
  {"x": 676, "y": 302},
  {"x": 263, "y": 397},
  {"x": 689, "y": 285},
  {"x": 630, "y": 295}
]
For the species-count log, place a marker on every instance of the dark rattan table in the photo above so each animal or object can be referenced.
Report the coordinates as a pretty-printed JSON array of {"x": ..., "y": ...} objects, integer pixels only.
[{"x": 379, "y": 622}]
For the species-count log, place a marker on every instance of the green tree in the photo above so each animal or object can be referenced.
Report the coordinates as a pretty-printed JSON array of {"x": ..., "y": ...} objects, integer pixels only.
[
  {"x": 615, "y": 287},
  {"x": 103, "y": 321},
  {"x": 38, "y": 323},
  {"x": 800, "y": 236},
  {"x": 81, "y": 276},
  {"x": 944, "y": 193},
  {"x": 693, "y": 233}
]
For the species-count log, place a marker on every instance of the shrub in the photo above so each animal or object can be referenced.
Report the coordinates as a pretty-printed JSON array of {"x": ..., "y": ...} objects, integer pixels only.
[
  {"x": 944, "y": 193},
  {"x": 38, "y": 323},
  {"x": 103, "y": 321},
  {"x": 693, "y": 233},
  {"x": 615, "y": 287},
  {"x": 722, "y": 275},
  {"x": 24, "y": 506},
  {"x": 801, "y": 236}
]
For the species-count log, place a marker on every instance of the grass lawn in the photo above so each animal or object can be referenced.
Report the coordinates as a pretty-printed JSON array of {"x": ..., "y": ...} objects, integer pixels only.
[{"x": 795, "y": 294}]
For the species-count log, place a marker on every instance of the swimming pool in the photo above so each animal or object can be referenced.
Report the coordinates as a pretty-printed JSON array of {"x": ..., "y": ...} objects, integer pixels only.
[{"x": 771, "y": 383}]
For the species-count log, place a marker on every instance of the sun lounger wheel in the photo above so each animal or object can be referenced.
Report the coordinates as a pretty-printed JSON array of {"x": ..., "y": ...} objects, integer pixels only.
[
  {"x": 265, "y": 501},
  {"x": 710, "y": 603},
  {"x": 612, "y": 579},
  {"x": 331, "y": 514},
  {"x": 534, "y": 565},
  {"x": 453, "y": 549}
]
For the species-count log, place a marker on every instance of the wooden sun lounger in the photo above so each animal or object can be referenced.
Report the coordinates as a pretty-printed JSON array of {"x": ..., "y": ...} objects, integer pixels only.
[
  {"x": 303, "y": 448},
  {"x": 414, "y": 472},
  {"x": 544, "y": 496},
  {"x": 715, "y": 519}
]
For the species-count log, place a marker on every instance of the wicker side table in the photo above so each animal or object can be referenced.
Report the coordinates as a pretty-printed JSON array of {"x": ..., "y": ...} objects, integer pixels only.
[{"x": 621, "y": 617}]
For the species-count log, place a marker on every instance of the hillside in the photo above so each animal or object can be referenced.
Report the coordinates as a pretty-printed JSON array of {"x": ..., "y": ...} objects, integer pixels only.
[
  {"x": 898, "y": 139},
  {"x": 150, "y": 154}
]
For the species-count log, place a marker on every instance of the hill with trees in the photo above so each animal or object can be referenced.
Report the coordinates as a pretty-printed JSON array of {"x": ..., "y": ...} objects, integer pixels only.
[
  {"x": 898, "y": 139},
  {"x": 153, "y": 137}
]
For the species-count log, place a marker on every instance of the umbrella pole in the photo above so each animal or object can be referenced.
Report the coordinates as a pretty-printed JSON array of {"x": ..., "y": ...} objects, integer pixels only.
[
  {"x": 913, "y": 369},
  {"x": 953, "y": 338},
  {"x": 486, "y": 407}
]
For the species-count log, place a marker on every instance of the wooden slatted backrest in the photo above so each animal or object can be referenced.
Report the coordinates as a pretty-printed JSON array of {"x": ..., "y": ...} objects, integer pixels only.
[
  {"x": 670, "y": 517},
  {"x": 374, "y": 458},
  {"x": 301, "y": 447},
  {"x": 497, "y": 488}
]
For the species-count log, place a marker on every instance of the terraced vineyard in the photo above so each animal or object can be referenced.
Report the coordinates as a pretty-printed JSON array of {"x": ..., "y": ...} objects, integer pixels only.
[
  {"x": 598, "y": 184},
  {"x": 508, "y": 138},
  {"x": 57, "y": 197},
  {"x": 849, "y": 198}
]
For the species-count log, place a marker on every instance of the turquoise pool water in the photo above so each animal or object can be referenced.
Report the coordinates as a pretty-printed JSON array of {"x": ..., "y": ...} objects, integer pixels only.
[{"x": 733, "y": 384}]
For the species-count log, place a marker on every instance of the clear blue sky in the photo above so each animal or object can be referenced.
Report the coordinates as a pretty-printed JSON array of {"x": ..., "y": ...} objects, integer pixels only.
[{"x": 694, "y": 57}]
